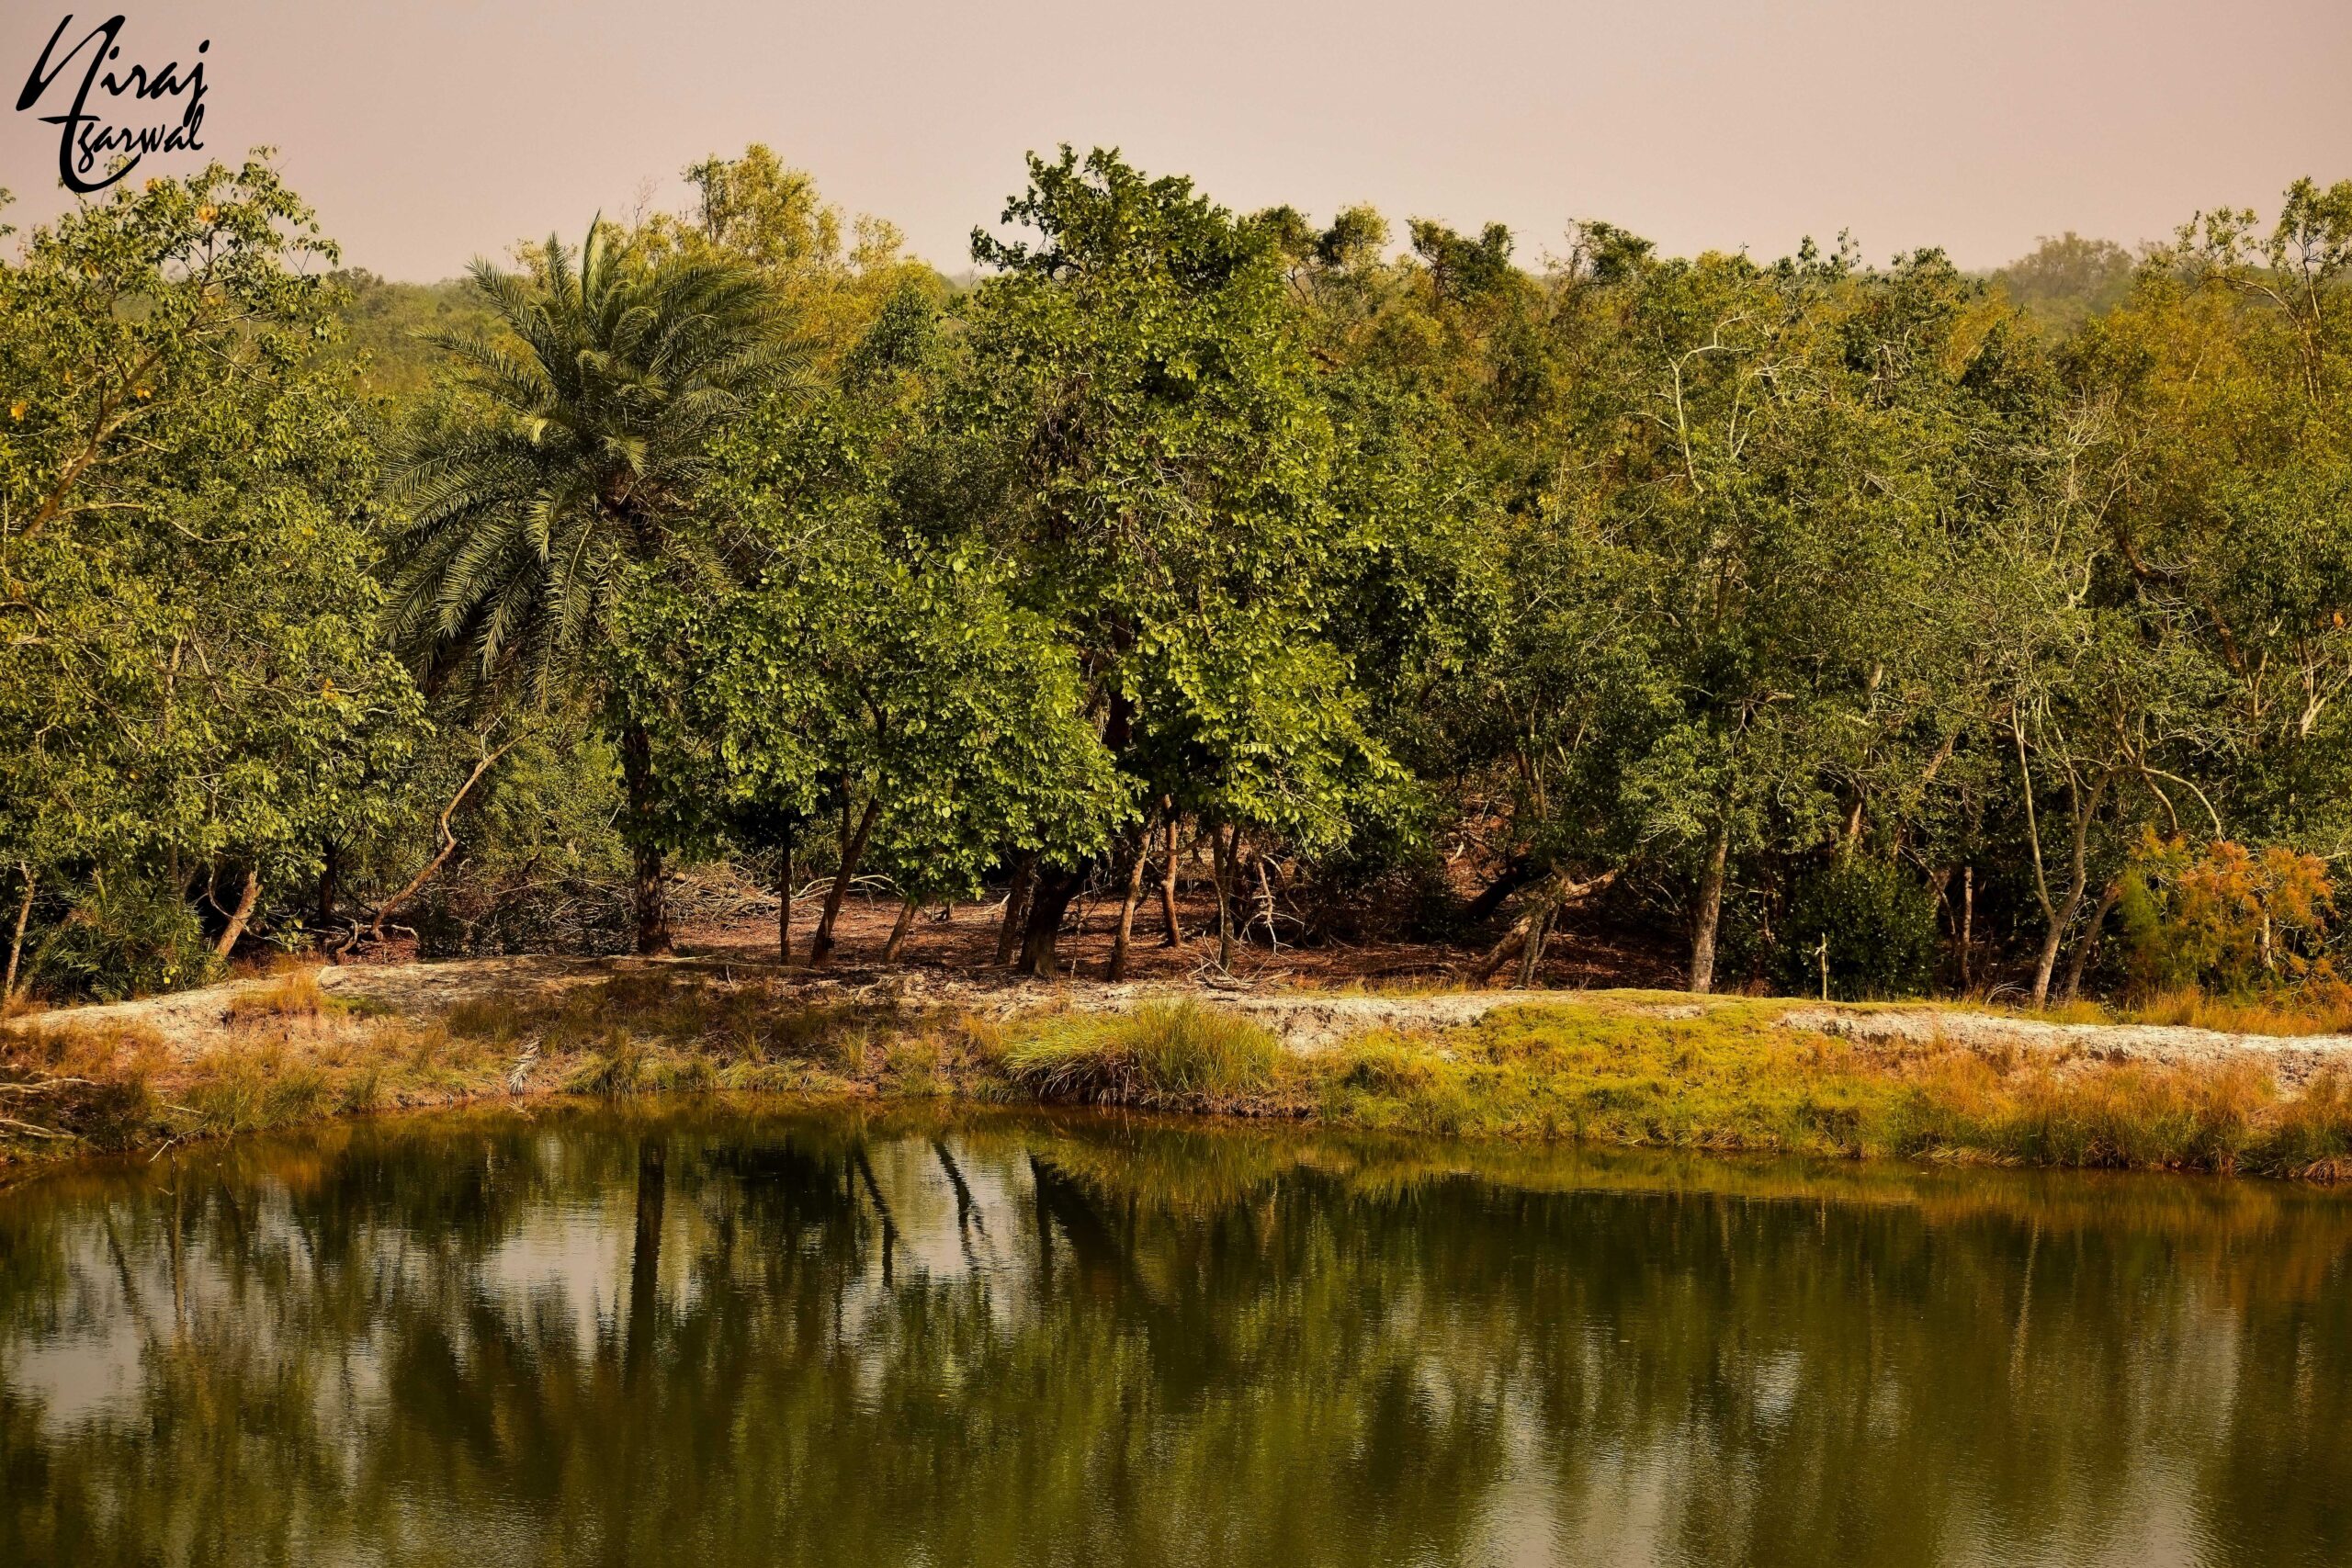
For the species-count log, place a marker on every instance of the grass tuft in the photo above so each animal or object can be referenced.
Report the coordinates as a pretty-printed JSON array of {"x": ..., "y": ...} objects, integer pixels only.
[
  {"x": 1164, "y": 1055},
  {"x": 293, "y": 995}
]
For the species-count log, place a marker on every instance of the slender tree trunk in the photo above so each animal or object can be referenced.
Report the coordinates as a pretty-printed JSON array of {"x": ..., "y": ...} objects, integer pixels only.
[
  {"x": 1223, "y": 850},
  {"x": 2077, "y": 884},
  {"x": 449, "y": 847},
  {"x": 17, "y": 942},
  {"x": 1137, "y": 857},
  {"x": 821, "y": 947},
  {"x": 783, "y": 896},
  {"x": 1016, "y": 906},
  {"x": 329, "y": 863},
  {"x": 1172, "y": 932},
  {"x": 645, "y": 849},
  {"x": 2089, "y": 943},
  {"x": 898, "y": 929},
  {"x": 239, "y": 916},
  {"x": 1967, "y": 927},
  {"x": 1711, "y": 910},
  {"x": 1048, "y": 904},
  {"x": 1266, "y": 905}
]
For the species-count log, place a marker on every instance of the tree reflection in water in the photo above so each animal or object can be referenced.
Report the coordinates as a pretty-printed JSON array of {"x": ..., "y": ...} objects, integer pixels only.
[{"x": 728, "y": 1334}]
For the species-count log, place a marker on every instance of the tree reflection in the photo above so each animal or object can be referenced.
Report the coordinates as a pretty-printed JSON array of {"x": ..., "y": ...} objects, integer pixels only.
[{"x": 723, "y": 1335}]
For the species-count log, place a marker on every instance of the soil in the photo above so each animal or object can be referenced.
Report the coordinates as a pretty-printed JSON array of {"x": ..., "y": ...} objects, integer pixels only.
[{"x": 1577, "y": 956}]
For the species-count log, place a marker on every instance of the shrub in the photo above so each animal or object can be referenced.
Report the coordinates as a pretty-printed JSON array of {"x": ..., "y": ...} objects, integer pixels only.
[
  {"x": 122, "y": 937},
  {"x": 297, "y": 995},
  {"x": 1877, "y": 921},
  {"x": 2223, "y": 917}
]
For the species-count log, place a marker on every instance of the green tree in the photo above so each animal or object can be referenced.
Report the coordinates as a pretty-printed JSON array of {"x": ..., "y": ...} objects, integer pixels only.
[
  {"x": 191, "y": 701},
  {"x": 1136, "y": 426}
]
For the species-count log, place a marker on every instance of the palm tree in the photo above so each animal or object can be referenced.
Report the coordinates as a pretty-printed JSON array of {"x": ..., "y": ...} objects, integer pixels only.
[{"x": 582, "y": 454}]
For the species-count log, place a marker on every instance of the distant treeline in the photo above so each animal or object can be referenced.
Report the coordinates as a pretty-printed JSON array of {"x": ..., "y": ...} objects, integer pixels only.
[{"x": 1879, "y": 628}]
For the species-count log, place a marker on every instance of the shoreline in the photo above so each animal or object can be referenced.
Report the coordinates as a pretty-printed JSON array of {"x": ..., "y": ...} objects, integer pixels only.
[{"x": 1624, "y": 1068}]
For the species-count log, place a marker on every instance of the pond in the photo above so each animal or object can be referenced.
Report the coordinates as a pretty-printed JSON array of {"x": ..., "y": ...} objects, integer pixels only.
[{"x": 727, "y": 1332}]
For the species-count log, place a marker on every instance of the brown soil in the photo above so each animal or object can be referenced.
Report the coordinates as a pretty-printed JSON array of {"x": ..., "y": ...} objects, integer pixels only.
[{"x": 1575, "y": 958}]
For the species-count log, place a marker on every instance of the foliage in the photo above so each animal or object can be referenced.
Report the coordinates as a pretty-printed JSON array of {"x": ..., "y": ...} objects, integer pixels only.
[
  {"x": 1400, "y": 570},
  {"x": 1868, "y": 921},
  {"x": 190, "y": 695},
  {"x": 2224, "y": 916}
]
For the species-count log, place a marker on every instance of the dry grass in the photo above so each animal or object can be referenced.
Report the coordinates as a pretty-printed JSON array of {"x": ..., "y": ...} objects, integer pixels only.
[
  {"x": 1732, "y": 1080},
  {"x": 295, "y": 994},
  {"x": 2292, "y": 1014}
]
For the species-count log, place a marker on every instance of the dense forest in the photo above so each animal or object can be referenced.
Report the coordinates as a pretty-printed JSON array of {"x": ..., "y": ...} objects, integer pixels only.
[{"x": 1874, "y": 628}]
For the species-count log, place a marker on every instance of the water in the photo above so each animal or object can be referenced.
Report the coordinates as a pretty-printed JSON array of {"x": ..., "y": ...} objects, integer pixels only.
[{"x": 724, "y": 1335}]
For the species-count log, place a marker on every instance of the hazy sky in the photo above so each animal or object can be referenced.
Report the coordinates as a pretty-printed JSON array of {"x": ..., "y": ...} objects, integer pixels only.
[{"x": 432, "y": 130}]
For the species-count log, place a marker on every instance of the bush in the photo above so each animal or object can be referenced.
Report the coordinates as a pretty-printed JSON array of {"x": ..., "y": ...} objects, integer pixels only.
[
  {"x": 1879, "y": 923},
  {"x": 2223, "y": 917},
  {"x": 122, "y": 937}
]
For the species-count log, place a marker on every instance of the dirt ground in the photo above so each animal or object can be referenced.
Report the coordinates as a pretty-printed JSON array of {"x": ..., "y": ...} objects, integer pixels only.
[{"x": 965, "y": 940}]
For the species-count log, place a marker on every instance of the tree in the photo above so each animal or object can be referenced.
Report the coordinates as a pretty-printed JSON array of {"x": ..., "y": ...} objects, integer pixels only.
[
  {"x": 1136, "y": 426},
  {"x": 863, "y": 668},
  {"x": 575, "y": 452},
  {"x": 190, "y": 698}
]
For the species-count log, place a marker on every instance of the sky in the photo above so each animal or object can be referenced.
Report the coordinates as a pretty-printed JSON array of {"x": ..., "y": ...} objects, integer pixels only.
[{"x": 429, "y": 131}]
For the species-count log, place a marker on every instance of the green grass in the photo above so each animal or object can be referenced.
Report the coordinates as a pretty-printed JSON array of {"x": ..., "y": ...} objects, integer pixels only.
[
  {"x": 1177, "y": 1054},
  {"x": 1732, "y": 1080}
]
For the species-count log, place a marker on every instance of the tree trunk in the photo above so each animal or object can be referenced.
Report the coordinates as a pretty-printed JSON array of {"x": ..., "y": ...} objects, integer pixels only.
[
  {"x": 1531, "y": 951},
  {"x": 2083, "y": 949},
  {"x": 1222, "y": 853},
  {"x": 2077, "y": 884},
  {"x": 1545, "y": 906},
  {"x": 330, "y": 863},
  {"x": 449, "y": 846},
  {"x": 821, "y": 947},
  {"x": 1514, "y": 875},
  {"x": 1172, "y": 932},
  {"x": 17, "y": 942},
  {"x": 1266, "y": 905},
  {"x": 1967, "y": 927},
  {"x": 645, "y": 849},
  {"x": 783, "y": 896},
  {"x": 1016, "y": 906},
  {"x": 239, "y": 916},
  {"x": 1711, "y": 910},
  {"x": 1118, "y": 969},
  {"x": 1047, "y": 905},
  {"x": 898, "y": 929}
]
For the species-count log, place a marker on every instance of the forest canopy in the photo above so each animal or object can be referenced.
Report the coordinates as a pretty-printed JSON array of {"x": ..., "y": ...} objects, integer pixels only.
[{"x": 1877, "y": 628}]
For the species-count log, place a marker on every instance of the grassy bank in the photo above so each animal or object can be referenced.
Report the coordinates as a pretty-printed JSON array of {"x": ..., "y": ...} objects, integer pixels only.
[{"x": 1598, "y": 1069}]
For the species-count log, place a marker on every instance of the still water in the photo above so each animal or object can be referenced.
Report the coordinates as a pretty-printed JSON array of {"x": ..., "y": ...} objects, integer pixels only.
[{"x": 727, "y": 1334}]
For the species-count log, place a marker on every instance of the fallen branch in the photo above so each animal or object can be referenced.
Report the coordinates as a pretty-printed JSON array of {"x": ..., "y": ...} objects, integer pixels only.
[{"x": 1526, "y": 934}]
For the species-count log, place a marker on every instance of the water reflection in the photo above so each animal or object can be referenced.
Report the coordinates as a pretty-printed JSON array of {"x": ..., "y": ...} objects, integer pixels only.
[{"x": 726, "y": 1334}]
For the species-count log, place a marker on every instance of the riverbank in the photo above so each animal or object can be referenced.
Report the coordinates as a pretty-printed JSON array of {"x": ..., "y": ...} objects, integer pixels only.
[{"x": 1638, "y": 1069}]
